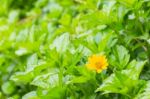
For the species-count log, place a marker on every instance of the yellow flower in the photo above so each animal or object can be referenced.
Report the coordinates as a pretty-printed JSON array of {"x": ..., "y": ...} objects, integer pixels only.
[{"x": 97, "y": 62}]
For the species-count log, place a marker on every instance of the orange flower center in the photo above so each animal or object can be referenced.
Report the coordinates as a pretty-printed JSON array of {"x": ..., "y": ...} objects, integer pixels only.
[{"x": 98, "y": 64}]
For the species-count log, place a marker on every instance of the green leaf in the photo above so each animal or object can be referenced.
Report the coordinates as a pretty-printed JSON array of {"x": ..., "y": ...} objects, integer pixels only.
[
  {"x": 145, "y": 94},
  {"x": 65, "y": 20},
  {"x": 61, "y": 43},
  {"x": 120, "y": 57},
  {"x": 81, "y": 79},
  {"x": 22, "y": 77},
  {"x": 104, "y": 41},
  {"x": 46, "y": 81},
  {"x": 136, "y": 68},
  {"x": 113, "y": 85},
  {"x": 32, "y": 61},
  {"x": 128, "y": 3},
  {"x": 31, "y": 95},
  {"x": 8, "y": 87},
  {"x": 21, "y": 51}
]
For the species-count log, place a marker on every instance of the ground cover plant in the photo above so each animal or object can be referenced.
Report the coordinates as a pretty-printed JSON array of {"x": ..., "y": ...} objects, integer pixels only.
[{"x": 74, "y": 49}]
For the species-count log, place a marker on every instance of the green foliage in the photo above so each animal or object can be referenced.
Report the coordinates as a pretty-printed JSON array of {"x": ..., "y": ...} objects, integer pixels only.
[
  {"x": 121, "y": 82},
  {"x": 120, "y": 58},
  {"x": 45, "y": 45},
  {"x": 144, "y": 93}
]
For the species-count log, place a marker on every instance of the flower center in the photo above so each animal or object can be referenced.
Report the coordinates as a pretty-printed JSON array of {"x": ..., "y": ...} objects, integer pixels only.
[{"x": 98, "y": 64}]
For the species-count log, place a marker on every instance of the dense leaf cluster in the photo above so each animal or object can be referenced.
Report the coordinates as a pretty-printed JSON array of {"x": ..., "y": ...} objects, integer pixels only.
[{"x": 45, "y": 45}]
